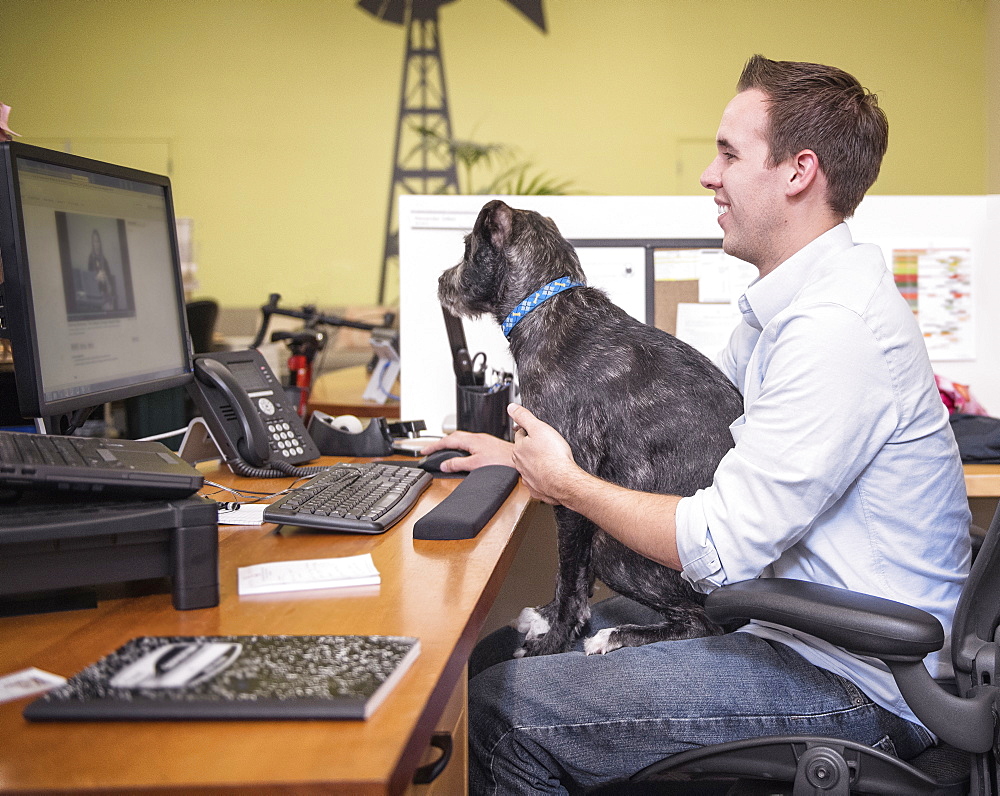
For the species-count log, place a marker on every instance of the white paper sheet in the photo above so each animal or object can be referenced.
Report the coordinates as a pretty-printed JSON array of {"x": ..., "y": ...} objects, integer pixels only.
[
  {"x": 246, "y": 514},
  {"x": 707, "y": 327},
  {"x": 27, "y": 682},
  {"x": 317, "y": 573}
]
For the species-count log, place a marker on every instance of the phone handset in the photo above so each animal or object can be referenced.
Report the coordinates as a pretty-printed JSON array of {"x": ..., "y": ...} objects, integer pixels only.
[
  {"x": 253, "y": 446},
  {"x": 243, "y": 404}
]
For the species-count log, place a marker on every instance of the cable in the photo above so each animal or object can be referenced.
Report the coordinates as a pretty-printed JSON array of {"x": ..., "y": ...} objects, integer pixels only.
[
  {"x": 274, "y": 469},
  {"x": 251, "y": 496},
  {"x": 291, "y": 469},
  {"x": 164, "y": 435}
]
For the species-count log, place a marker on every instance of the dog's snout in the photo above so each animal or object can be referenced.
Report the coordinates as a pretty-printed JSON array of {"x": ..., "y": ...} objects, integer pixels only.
[{"x": 448, "y": 291}]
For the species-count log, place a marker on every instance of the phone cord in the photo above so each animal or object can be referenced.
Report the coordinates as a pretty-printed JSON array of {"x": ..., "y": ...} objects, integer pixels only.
[{"x": 273, "y": 470}]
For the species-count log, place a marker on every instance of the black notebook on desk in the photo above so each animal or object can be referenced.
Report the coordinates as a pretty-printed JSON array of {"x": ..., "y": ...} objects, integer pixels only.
[{"x": 233, "y": 677}]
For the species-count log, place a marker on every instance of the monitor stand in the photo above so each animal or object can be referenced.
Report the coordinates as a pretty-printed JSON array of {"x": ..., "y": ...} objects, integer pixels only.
[
  {"x": 63, "y": 424},
  {"x": 58, "y": 543}
]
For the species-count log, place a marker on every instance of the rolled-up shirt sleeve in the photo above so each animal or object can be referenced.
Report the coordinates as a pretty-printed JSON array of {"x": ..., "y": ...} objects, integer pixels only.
[
  {"x": 823, "y": 408},
  {"x": 702, "y": 567}
]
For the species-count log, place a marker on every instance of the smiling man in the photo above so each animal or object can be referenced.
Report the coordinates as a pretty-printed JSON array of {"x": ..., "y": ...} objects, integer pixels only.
[{"x": 844, "y": 472}]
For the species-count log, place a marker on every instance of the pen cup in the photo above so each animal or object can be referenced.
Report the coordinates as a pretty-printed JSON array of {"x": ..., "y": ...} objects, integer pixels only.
[{"x": 484, "y": 409}]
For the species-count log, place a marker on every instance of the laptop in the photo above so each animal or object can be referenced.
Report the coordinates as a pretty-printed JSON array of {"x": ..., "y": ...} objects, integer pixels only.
[{"x": 94, "y": 467}]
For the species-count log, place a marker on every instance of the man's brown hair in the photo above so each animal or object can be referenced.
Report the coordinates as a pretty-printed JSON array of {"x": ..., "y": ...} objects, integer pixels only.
[{"x": 822, "y": 108}]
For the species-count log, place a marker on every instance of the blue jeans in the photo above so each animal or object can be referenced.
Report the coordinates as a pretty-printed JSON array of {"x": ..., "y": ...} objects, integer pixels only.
[{"x": 546, "y": 724}]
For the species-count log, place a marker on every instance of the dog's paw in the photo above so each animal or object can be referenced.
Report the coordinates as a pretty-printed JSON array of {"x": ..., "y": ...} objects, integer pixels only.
[
  {"x": 549, "y": 644},
  {"x": 602, "y": 641},
  {"x": 532, "y": 624}
]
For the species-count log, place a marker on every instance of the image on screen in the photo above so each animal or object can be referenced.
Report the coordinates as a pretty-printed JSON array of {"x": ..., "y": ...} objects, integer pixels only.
[{"x": 97, "y": 278}]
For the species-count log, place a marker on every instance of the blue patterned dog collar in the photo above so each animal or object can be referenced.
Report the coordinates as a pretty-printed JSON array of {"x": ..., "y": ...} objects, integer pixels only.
[{"x": 536, "y": 298}]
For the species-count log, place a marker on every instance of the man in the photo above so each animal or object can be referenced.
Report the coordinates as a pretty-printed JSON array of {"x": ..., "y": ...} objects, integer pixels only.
[{"x": 844, "y": 472}]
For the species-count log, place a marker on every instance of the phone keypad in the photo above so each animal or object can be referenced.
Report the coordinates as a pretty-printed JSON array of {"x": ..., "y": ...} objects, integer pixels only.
[{"x": 284, "y": 440}]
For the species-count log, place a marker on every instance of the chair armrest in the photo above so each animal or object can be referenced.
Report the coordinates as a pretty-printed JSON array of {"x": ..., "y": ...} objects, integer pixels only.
[
  {"x": 860, "y": 623},
  {"x": 897, "y": 634}
]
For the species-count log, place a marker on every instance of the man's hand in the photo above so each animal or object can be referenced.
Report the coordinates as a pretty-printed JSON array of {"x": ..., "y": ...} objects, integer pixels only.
[
  {"x": 483, "y": 449},
  {"x": 640, "y": 520},
  {"x": 543, "y": 458}
]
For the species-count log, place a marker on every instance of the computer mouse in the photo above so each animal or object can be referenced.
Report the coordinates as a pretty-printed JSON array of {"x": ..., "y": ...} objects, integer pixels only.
[{"x": 432, "y": 461}]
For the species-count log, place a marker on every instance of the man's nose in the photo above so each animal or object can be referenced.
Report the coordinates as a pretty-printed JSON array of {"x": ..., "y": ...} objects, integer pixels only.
[{"x": 710, "y": 176}]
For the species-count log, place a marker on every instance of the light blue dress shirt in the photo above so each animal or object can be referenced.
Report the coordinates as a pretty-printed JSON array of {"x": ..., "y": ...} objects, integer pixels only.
[{"x": 845, "y": 470}]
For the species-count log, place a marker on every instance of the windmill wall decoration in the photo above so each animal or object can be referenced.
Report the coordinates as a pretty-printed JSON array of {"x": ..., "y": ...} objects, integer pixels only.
[{"x": 423, "y": 109}]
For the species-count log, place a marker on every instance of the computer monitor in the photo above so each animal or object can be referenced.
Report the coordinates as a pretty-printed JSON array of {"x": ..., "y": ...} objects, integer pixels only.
[{"x": 90, "y": 282}]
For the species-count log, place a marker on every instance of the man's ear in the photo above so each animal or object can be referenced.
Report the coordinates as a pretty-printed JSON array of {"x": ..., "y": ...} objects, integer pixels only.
[{"x": 805, "y": 169}]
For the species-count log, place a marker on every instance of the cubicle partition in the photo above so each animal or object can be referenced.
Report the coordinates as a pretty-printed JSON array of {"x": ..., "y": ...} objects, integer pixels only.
[{"x": 941, "y": 248}]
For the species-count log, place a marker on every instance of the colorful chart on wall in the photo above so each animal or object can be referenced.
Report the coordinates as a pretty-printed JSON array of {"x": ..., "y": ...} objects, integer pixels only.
[{"x": 937, "y": 284}]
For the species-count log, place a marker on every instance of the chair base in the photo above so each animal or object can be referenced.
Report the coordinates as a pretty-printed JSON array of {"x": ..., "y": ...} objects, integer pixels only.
[{"x": 814, "y": 766}]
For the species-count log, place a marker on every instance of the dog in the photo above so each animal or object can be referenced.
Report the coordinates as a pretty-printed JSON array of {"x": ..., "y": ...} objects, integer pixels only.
[{"x": 638, "y": 407}]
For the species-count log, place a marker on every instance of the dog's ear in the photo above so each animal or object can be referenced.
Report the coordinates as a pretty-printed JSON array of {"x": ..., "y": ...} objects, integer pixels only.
[
  {"x": 494, "y": 224},
  {"x": 482, "y": 280}
]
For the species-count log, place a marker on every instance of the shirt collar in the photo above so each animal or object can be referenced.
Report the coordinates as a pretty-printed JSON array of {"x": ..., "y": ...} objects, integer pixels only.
[{"x": 767, "y": 296}]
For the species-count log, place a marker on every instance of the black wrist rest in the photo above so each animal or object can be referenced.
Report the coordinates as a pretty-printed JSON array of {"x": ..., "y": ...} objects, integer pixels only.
[{"x": 465, "y": 511}]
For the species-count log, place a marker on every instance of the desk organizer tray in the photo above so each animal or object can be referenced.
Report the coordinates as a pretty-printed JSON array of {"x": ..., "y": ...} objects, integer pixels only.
[{"x": 233, "y": 677}]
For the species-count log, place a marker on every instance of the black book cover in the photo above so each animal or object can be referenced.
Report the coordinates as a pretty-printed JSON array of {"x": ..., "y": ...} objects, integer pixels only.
[{"x": 233, "y": 677}]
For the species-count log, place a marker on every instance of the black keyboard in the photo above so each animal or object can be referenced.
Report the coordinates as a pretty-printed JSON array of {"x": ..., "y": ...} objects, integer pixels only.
[
  {"x": 352, "y": 498},
  {"x": 39, "y": 449},
  {"x": 94, "y": 467}
]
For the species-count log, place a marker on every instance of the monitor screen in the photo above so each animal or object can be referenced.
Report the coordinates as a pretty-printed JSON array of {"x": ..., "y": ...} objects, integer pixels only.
[{"x": 93, "y": 297}]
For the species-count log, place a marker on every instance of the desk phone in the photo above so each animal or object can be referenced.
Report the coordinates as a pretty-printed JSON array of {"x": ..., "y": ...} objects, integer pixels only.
[{"x": 244, "y": 406}]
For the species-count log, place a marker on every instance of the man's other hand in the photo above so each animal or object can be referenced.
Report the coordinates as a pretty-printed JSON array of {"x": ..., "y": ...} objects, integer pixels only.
[
  {"x": 483, "y": 449},
  {"x": 543, "y": 457}
]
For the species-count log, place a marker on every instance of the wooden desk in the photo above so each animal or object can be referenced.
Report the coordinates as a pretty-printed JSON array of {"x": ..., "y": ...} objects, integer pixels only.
[
  {"x": 338, "y": 392},
  {"x": 440, "y": 592},
  {"x": 982, "y": 480}
]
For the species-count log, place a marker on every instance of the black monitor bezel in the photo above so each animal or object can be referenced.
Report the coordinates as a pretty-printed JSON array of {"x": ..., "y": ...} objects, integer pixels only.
[
  {"x": 18, "y": 313},
  {"x": 650, "y": 247}
]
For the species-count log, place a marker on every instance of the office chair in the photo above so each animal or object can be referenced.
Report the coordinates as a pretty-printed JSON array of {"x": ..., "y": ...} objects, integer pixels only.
[
  {"x": 201, "y": 317},
  {"x": 963, "y": 714}
]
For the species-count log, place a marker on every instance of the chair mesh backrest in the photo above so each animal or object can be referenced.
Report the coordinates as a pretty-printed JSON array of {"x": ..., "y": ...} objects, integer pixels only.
[
  {"x": 201, "y": 317},
  {"x": 978, "y": 612}
]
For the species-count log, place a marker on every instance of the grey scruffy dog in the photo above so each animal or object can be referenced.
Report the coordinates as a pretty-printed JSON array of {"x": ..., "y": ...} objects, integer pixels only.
[{"x": 638, "y": 407}]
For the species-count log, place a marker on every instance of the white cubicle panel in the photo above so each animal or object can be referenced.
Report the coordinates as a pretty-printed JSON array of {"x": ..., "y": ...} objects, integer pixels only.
[
  {"x": 432, "y": 229},
  {"x": 943, "y": 222}
]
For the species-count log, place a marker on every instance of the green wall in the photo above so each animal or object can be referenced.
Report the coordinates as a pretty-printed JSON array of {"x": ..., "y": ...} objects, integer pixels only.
[
  {"x": 993, "y": 96},
  {"x": 276, "y": 119}
]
